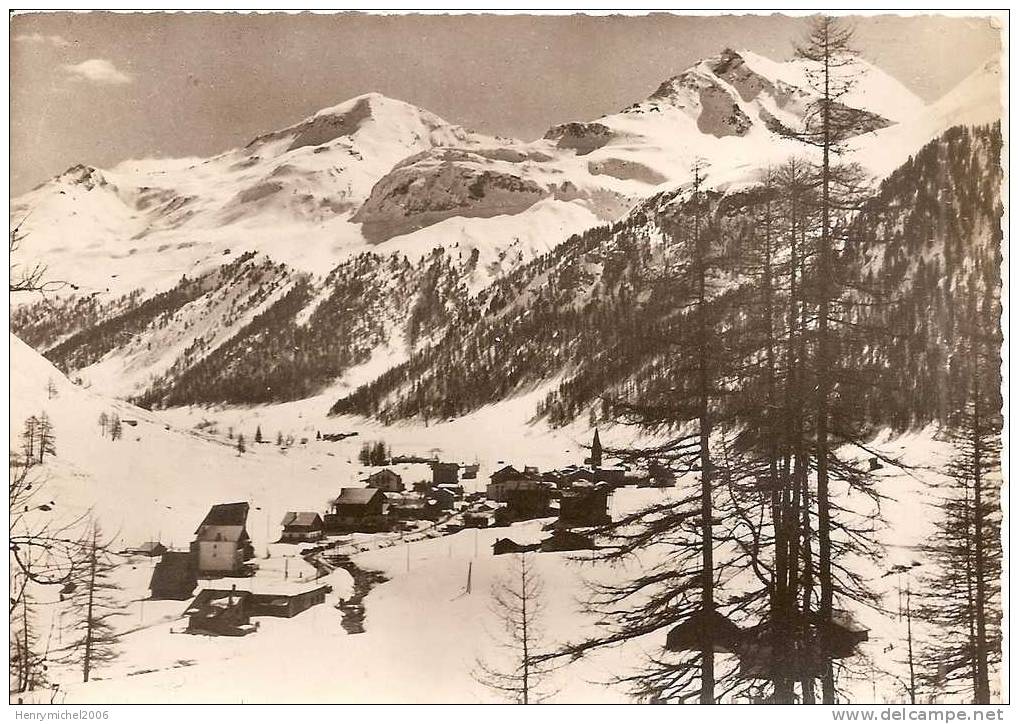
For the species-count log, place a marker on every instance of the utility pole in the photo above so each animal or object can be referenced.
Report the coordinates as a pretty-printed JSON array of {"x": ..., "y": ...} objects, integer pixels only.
[{"x": 909, "y": 647}]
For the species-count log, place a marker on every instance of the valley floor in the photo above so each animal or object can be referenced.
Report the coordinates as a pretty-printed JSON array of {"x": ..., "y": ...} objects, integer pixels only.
[{"x": 423, "y": 631}]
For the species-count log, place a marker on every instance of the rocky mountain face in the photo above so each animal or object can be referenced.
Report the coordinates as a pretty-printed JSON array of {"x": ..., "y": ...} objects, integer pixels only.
[{"x": 375, "y": 236}]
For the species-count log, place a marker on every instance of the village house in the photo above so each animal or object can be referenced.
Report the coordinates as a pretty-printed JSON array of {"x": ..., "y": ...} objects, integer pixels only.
[
  {"x": 582, "y": 507},
  {"x": 526, "y": 504},
  {"x": 358, "y": 510},
  {"x": 387, "y": 481},
  {"x": 507, "y": 479},
  {"x": 302, "y": 527},
  {"x": 174, "y": 577},
  {"x": 470, "y": 472},
  {"x": 445, "y": 473},
  {"x": 222, "y": 545}
]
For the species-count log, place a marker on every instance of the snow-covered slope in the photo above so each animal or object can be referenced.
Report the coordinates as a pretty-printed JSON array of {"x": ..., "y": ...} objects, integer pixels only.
[{"x": 981, "y": 98}]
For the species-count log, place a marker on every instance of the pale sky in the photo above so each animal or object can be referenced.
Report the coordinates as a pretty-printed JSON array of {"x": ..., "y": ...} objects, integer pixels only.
[{"x": 98, "y": 88}]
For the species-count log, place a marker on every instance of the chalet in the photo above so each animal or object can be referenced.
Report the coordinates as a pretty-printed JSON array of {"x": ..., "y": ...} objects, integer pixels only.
[
  {"x": 507, "y": 479},
  {"x": 302, "y": 527},
  {"x": 505, "y": 545},
  {"x": 445, "y": 473},
  {"x": 529, "y": 503},
  {"x": 581, "y": 507},
  {"x": 565, "y": 540},
  {"x": 222, "y": 544},
  {"x": 174, "y": 577},
  {"x": 358, "y": 510},
  {"x": 387, "y": 481},
  {"x": 220, "y": 613},
  {"x": 152, "y": 549}
]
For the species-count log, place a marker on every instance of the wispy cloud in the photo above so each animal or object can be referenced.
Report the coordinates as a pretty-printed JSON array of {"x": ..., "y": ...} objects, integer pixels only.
[
  {"x": 39, "y": 39},
  {"x": 98, "y": 70}
]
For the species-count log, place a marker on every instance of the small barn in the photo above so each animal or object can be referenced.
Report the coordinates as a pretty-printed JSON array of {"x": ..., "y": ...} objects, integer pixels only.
[
  {"x": 565, "y": 540},
  {"x": 387, "y": 481},
  {"x": 287, "y": 605},
  {"x": 505, "y": 545},
  {"x": 175, "y": 576},
  {"x": 220, "y": 613},
  {"x": 302, "y": 527}
]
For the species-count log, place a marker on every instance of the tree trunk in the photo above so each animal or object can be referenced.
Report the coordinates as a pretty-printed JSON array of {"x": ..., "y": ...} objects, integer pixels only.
[
  {"x": 824, "y": 399},
  {"x": 981, "y": 687},
  {"x": 707, "y": 695},
  {"x": 89, "y": 613},
  {"x": 523, "y": 619}
]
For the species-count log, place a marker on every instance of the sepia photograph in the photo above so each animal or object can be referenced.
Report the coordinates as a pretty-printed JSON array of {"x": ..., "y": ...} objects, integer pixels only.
[{"x": 499, "y": 357}]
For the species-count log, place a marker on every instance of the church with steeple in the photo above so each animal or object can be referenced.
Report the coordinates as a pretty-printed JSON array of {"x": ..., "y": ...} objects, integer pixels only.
[{"x": 595, "y": 460}]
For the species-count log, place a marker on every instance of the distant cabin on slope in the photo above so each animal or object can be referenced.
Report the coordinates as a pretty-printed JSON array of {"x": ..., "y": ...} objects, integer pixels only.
[
  {"x": 301, "y": 527},
  {"x": 222, "y": 544},
  {"x": 387, "y": 481}
]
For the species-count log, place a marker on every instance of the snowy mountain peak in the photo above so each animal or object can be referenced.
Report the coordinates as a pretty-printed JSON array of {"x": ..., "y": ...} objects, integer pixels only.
[
  {"x": 353, "y": 117},
  {"x": 88, "y": 177},
  {"x": 730, "y": 92}
]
